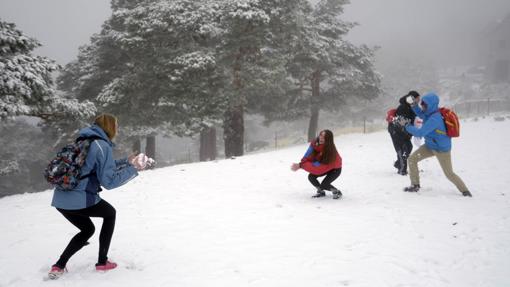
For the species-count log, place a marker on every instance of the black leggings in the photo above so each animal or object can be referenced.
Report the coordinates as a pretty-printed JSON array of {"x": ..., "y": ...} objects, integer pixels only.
[
  {"x": 326, "y": 183},
  {"x": 81, "y": 219}
]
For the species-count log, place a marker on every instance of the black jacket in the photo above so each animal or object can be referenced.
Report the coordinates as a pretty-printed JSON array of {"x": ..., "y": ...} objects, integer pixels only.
[{"x": 405, "y": 112}]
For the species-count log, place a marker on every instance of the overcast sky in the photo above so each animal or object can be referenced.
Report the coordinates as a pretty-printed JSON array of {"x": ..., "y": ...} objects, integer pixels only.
[
  {"x": 440, "y": 30},
  {"x": 60, "y": 25},
  {"x": 444, "y": 31}
]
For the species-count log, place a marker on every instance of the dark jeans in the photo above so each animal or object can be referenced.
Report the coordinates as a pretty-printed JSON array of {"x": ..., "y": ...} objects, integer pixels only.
[
  {"x": 405, "y": 151},
  {"x": 326, "y": 183},
  {"x": 81, "y": 219},
  {"x": 403, "y": 147}
]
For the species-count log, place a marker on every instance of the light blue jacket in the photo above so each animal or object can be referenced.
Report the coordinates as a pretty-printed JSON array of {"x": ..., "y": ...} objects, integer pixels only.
[
  {"x": 433, "y": 129},
  {"x": 109, "y": 173}
]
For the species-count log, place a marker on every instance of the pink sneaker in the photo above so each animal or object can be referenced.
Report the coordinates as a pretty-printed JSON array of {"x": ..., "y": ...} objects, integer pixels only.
[
  {"x": 105, "y": 267},
  {"x": 56, "y": 272}
]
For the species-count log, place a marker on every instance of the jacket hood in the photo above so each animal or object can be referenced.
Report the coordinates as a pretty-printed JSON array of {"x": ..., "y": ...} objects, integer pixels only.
[
  {"x": 95, "y": 130},
  {"x": 432, "y": 101},
  {"x": 413, "y": 94},
  {"x": 403, "y": 101}
]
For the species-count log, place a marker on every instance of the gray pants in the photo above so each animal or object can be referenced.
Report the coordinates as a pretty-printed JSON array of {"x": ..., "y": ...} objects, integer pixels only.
[{"x": 445, "y": 160}]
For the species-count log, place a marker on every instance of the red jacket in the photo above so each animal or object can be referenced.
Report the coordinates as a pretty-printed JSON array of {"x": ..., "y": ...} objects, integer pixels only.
[{"x": 312, "y": 163}]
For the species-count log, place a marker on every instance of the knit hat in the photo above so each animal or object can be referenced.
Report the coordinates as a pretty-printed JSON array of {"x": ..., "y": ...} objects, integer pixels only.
[{"x": 108, "y": 123}]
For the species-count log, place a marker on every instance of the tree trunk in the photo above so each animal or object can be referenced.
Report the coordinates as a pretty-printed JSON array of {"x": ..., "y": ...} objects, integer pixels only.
[
  {"x": 233, "y": 131},
  {"x": 213, "y": 151},
  {"x": 314, "y": 118},
  {"x": 137, "y": 145},
  {"x": 233, "y": 123},
  {"x": 202, "y": 154},
  {"x": 208, "y": 144},
  {"x": 150, "y": 148}
]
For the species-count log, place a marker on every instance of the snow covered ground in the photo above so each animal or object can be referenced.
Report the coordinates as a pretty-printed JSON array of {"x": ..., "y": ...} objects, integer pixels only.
[{"x": 250, "y": 221}]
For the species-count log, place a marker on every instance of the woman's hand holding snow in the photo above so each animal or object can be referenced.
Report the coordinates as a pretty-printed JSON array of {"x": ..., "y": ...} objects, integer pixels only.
[
  {"x": 131, "y": 157},
  {"x": 141, "y": 161},
  {"x": 294, "y": 166},
  {"x": 401, "y": 121}
]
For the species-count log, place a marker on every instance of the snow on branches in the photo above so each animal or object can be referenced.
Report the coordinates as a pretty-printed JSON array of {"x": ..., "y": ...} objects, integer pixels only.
[{"x": 26, "y": 84}]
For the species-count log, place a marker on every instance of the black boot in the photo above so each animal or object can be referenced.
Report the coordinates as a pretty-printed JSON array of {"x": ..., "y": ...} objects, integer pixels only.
[
  {"x": 403, "y": 169},
  {"x": 320, "y": 193},
  {"x": 467, "y": 193},
  {"x": 337, "y": 194},
  {"x": 412, "y": 188}
]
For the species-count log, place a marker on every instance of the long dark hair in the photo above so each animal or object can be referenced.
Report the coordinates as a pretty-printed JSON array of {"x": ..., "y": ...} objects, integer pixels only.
[{"x": 329, "y": 151}]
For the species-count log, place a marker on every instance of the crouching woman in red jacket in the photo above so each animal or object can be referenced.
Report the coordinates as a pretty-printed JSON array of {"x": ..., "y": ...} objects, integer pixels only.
[{"x": 322, "y": 159}]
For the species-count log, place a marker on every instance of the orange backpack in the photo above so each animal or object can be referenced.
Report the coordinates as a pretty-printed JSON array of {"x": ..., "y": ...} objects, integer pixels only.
[{"x": 451, "y": 121}]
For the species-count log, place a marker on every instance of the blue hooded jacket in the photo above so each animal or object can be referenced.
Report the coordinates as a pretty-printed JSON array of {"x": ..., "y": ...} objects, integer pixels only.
[
  {"x": 109, "y": 173},
  {"x": 433, "y": 129}
]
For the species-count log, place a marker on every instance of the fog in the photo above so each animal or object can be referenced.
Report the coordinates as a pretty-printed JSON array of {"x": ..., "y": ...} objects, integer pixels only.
[
  {"x": 442, "y": 31},
  {"x": 61, "y": 26},
  {"x": 445, "y": 32}
]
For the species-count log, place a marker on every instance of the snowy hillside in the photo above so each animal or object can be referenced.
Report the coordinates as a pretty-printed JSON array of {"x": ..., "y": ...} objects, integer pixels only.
[{"x": 250, "y": 221}]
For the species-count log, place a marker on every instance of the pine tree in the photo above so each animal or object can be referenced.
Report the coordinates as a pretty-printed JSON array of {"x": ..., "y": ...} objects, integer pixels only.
[
  {"x": 252, "y": 55},
  {"x": 327, "y": 69},
  {"x": 153, "y": 66},
  {"x": 26, "y": 85},
  {"x": 25, "y": 152}
]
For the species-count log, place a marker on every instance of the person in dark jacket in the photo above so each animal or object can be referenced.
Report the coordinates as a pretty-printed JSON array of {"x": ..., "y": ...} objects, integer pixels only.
[
  {"x": 83, "y": 202},
  {"x": 322, "y": 159},
  {"x": 437, "y": 144},
  {"x": 400, "y": 137}
]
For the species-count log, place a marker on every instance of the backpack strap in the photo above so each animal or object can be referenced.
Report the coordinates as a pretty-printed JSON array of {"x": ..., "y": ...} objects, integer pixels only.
[
  {"x": 91, "y": 138},
  {"x": 87, "y": 175},
  {"x": 445, "y": 125}
]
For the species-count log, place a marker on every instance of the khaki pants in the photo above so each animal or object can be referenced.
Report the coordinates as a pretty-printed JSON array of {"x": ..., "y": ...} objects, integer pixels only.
[{"x": 445, "y": 160}]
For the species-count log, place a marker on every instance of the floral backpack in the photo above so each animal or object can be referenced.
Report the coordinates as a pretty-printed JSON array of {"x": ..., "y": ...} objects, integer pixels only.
[{"x": 64, "y": 170}]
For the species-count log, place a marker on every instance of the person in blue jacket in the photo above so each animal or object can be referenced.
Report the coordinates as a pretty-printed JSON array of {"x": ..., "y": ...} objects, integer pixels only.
[
  {"x": 83, "y": 202},
  {"x": 437, "y": 143}
]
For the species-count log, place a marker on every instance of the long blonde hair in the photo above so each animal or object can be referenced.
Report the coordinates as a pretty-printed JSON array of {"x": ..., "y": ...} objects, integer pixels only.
[{"x": 108, "y": 123}]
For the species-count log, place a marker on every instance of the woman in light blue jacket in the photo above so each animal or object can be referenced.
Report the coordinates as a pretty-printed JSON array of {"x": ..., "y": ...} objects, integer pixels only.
[
  {"x": 83, "y": 202},
  {"x": 437, "y": 143}
]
